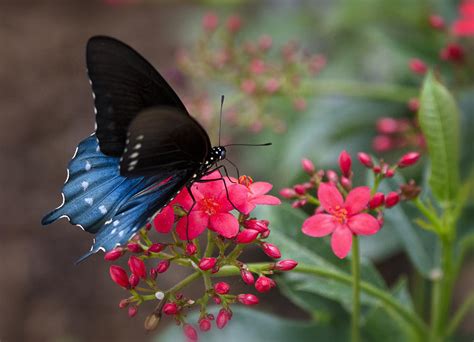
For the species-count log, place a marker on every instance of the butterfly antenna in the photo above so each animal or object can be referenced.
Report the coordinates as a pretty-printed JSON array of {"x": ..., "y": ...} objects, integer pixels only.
[
  {"x": 264, "y": 144},
  {"x": 220, "y": 119}
]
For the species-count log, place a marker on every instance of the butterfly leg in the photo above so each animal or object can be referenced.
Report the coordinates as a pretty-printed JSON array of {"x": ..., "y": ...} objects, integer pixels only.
[
  {"x": 188, "y": 187},
  {"x": 222, "y": 179}
]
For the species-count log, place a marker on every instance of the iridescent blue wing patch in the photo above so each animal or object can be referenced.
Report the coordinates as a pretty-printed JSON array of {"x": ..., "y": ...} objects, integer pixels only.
[{"x": 101, "y": 201}]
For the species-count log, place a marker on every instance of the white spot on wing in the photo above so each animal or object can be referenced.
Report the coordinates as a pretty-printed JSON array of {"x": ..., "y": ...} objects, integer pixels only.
[
  {"x": 85, "y": 185},
  {"x": 121, "y": 233},
  {"x": 88, "y": 166},
  {"x": 113, "y": 231},
  {"x": 89, "y": 200},
  {"x": 140, "y": 137},
  {"x": 103, "y": 209},
  {"x": 134, "y": 155},
  {"x": 137, "y": 146},
  {"x": 116, "y": 223},
  {"x": 97, "y": 149}
]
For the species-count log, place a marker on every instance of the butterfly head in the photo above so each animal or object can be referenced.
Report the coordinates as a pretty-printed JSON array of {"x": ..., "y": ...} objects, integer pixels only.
[{"x": 217, "y": 154}]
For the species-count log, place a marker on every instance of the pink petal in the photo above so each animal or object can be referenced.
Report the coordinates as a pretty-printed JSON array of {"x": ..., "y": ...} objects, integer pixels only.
[
  {"x": 210, "y": 188},
  {"x": 224, "y": 224},
  {"x": 341, "y": 242},
  {"x": 164, "y": 220},
  {"x": 266, "y": 200},
  {"x": 463, "y": 27},
  {"x": 329, "y": 196},
  {"x": 357, "y": 199},
  {"x": 319, "y": 225},
  {"x": 260, "y": 188},
  {"x": 238, "y": 194},
  {"x": 246, "y": 208},
  {"x": 184, "y": 199},
  {"x": 363, "y": 224},
  {"x": 198, "y": 222}
]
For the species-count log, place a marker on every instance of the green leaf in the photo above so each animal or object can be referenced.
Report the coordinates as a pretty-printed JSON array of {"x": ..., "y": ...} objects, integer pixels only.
[
  {"x": 252, "y": 325},
  {"x": 286, "y": 223},
  {"x": 439, "y": 120}
]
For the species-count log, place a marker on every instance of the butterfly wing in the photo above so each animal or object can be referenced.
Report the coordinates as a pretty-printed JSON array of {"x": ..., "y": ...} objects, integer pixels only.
[
  {"x": 123, "y": 84},
  {"x": 101, "y": 201},
  {"x": 160, "y": 140}
]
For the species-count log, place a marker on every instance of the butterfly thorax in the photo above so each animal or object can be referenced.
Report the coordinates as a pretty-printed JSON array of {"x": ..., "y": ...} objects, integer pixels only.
[{"x": 216, "y": 154}]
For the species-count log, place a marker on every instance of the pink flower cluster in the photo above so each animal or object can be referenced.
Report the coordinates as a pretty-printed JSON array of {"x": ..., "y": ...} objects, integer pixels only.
[
  {"x": 343, "y": 211},
  {"x": 398, "y": 133},
  {"x": 251, "y": 68},
  {"x": 223, "y": 208}
]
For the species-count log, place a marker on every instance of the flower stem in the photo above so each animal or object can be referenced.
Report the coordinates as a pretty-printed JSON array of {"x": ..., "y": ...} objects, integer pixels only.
[
  {"x": 355, "y": 335},
  {"x": 210, "y": 244},
  {"x": 389, "y": 302},
  {"x": 466, "y": 306}
]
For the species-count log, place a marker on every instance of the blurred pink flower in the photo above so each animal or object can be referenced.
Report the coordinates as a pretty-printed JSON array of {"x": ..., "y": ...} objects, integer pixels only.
[
  {"x": 256, "y": 194},
  {"x": 464, "y": 25},
  {"x": 342, "y": 219}
]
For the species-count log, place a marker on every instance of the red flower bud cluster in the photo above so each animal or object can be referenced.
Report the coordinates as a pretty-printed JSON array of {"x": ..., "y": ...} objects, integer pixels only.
[{"x": 229, "y": 231}]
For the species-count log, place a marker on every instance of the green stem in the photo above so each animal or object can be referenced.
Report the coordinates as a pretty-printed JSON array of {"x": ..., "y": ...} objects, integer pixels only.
[
  {"x": 210, "y": 244},
  {"x": 388, "y": 301},
  {"x": 466, "y": 306},
  {"x": 376, "y": 91},
  {"x": 432, "y": 217},
  {"x": 355, "y": 335}
]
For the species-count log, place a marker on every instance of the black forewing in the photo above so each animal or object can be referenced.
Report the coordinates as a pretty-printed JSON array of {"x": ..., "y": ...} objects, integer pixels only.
[
  {"x": 161, "y": 140},
  {"x": 124, "y": 84}
]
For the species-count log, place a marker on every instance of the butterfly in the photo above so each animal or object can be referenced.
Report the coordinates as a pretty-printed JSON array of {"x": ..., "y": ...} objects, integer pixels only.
[{"x": 145, "y": 149}]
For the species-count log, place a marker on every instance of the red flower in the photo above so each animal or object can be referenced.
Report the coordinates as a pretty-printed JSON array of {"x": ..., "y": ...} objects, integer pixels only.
[
  {"x": 256, "y": 194},
  {"x": 211, "y": 209},
  {"x": 247, "y": 299},
  {"x": 343, "y": 218},
  {"x": 464, "y": 25},
  {"x": 163, "y": 221},
  {"x": 119, "y": 276},
  {"x": 137, "y": 266}
]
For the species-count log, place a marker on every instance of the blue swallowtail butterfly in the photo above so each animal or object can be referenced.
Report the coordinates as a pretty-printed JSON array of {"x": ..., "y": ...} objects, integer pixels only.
[{"x": 145, "y": 149}]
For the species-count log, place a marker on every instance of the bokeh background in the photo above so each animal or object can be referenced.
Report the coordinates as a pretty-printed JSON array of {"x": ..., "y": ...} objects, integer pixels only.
[{"x": 46, "y": 109}]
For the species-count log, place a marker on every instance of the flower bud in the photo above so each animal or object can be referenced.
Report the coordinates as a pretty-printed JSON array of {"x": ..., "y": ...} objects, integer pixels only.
[
  {"x": 345, "y": 163},
  {"x": 123, "y": 303},
  {"x": 452, "y": 53},
  {"x": 162, "y": 266},
  {"x": 148, "y": 226},
  {"x": 414, "y": 104},
  {"x": 285, "y": 265},
  {"x": 271, "y": 250},
  {"x": 299, "y": 189},
  {"x": 365, "y": 159},
  {"x": 258, "y": 225},
  {"x": 152, "y": 321},
  {"x": 207, "y": 263},
  {"x": 247, "y": 299},
  {"x": 377, "y": 200},
  {"x": 387, "y": 125},
  {"x": 247, "y": 277},
  {"x": 222, "y": 318},
  {"x": 222, "y": 288},
  {"x": 190, "y": 332},
  {"x": 287, "y": 193},
  {"x": 170, "y": 308},
  {"x": 114, "y": 254},
  {"x": 417, "y": 66},
  {"x": 119, "y": 276},
  {"x": 436, "y": 22},
  {"x": 332, "y": 176},
  {"x": 246, "y": 236},
  {"x": 265, "y": 234},
  {"x": 408, "y": 159},
  {"x": 299, "y": 203},
  {"x": 210, "y": 22},
  {"x": 346, "y": 183},
  {"x": 191, "y": 249},
  {"x": 308, "y": 166},
  {"x": 392, "y": 199},
  {"x": 153, "y": 273},
  {"x": 132, "y": 311},
  {"x": 383, "y": 143},
  {"x": 217, "y": 300},
  {"x": 134, "y": 280},
  {"x": 156, "y": 248},
  {"x": 204, "y": 324},
  {"x": 264, "y": 284},
  {"x": 134, "y": 247},
  {"x": 389, "y": 173},
  {"x": 137, "y": 266},
  {"x": 234, "y": 23},
  {"x": 377, "y": 169}
]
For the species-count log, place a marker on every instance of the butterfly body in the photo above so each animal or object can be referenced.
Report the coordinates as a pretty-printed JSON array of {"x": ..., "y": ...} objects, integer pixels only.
[{"x": 145, "y": 149}]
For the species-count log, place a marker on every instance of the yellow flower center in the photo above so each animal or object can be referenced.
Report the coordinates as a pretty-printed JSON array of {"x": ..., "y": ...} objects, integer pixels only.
[
  {"x": 210, "y": 206},
  {"x": 340, "y": 214}
]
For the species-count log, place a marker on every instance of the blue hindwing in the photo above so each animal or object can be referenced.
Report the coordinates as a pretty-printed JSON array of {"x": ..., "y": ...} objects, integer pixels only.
[{"x": 101, "y": 201}]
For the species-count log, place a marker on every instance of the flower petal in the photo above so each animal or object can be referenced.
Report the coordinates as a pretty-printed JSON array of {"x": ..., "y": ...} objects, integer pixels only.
[
  {"x": 266, "y": 200},
  {"x": 363, "y": 224},
  {"x": 341, "y": 242},
  {"x": 198, "y": 222},
  {"x": 238, "y": 194},
  {"x": 357, "y": 199},
  {"x": 319, "y": 225},
  {"x": 184, "y": 199},
  {"x": 164, "y": 220},
  {"x": 260, "y": 188},
  {"x": 224, "y": 224},
  {"x": 329, "y": 196}
]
